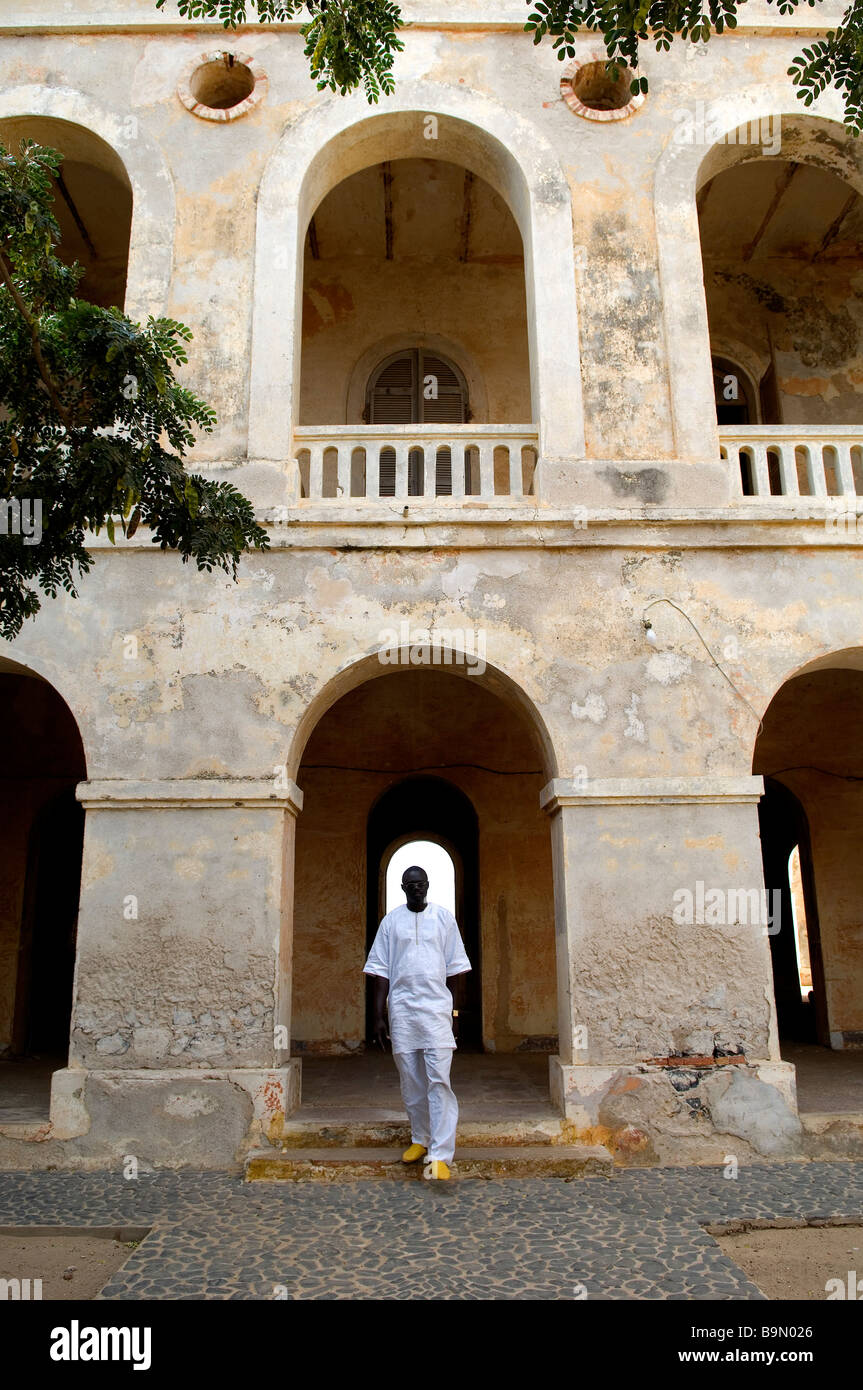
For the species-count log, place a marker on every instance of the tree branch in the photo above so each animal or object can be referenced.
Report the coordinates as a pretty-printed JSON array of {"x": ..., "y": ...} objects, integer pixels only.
[{"x": 6, "y": 276}]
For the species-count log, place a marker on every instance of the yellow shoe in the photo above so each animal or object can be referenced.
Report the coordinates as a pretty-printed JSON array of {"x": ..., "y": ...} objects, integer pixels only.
[
  {"x": 436, "y": 1168},
  {"x": 415, "y": 1152}
]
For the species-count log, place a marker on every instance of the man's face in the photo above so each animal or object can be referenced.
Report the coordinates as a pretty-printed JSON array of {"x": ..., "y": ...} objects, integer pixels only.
[{"x": 415, "y": 885}]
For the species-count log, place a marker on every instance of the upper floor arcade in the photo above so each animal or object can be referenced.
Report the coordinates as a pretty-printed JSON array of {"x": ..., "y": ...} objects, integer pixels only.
[{"x": 459, "y": 300}]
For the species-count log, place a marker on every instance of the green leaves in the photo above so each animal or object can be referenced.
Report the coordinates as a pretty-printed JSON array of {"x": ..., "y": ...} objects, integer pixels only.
[
  {"x": 349, "y": 43},
  {"x": 352, "y": 43},
  {"x": 836, "y": 60},
  {"x": 93, "y": 423}
]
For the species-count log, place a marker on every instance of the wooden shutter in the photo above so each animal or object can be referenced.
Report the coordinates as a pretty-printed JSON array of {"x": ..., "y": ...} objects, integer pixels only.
[
  {"x": 388, "y": 473},
  {"x": 392, "y": 393},
  {"x": 450, "y": 406},
  {"x": 397, "y": 396}
]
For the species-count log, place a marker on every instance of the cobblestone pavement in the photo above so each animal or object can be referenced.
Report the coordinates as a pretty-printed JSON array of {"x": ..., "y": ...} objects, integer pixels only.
[{"x": 637, "y": 1234}]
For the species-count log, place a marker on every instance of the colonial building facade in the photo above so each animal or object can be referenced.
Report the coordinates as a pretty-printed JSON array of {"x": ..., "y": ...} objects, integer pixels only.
[{"x": 552, "y": 402}]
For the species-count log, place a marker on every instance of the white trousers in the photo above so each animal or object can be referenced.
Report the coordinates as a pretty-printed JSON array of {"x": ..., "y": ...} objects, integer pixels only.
[{"x": 429, "y": 1099}]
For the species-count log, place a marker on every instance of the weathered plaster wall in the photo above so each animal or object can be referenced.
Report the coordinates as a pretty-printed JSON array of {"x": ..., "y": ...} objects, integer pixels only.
[
  {"x": 189, "y": 980},
  {"x": 645, "y": 985},
  {"x": 814, "y": 316},
  {"x": 565, "y": 624},
  {"x": 224, "y": 672}
]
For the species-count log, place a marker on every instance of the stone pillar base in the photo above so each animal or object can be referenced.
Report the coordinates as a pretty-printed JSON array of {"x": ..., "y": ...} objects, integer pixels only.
[
  {"x": 205, "y": 1118},
  {"x": 650, "y": 1114}
]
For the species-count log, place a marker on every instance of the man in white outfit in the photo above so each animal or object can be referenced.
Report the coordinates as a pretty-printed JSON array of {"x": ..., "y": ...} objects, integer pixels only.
[{"x": 416, "y": 954}]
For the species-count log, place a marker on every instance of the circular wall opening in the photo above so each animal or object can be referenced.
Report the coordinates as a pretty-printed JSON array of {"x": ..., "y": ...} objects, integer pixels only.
[
  {"x": 222, "y": 83},
  {"x": 222, "y": 86},
  {"x": 597, "y": 94},
  {"x": 601, "y": 90}
]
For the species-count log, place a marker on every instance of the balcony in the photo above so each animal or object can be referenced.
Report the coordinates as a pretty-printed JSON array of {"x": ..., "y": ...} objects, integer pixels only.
[
  {"x": 796, "y": 460},
  {"x": 468, "y": 464}
]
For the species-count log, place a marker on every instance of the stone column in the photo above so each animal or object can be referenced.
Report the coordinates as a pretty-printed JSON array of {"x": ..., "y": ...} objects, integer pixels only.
[
  {"x": 181, "y": 1014},
  {"x": 662, "y": 935}
]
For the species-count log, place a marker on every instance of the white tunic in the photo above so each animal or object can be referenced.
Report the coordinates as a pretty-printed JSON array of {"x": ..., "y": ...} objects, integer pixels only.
[{"x": 416, "y": 952}]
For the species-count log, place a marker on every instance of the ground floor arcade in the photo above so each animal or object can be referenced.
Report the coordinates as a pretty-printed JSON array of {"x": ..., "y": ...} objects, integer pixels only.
[{"x": 626, "y": 957}]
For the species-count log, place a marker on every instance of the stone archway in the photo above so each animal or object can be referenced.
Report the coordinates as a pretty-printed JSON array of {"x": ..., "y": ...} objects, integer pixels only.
[
  {"x": 425, "y": 807},
  {"x": 685, "y": 166},
  {"x": 41, "y": 835},
  {"x": 808, "y": 748},
  {"x": 150, "y": 250},
  {"x": 408, "y": 729},
  {"x": 338, "y": 139}
]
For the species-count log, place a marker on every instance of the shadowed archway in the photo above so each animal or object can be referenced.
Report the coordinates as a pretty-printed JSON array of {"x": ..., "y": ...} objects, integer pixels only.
[{"x": 431, "y": 808}]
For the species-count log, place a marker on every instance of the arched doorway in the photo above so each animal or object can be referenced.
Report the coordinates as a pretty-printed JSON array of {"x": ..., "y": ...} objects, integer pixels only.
[
  {"x": 434, "y": 858},
  {"x": 431, "y": 808},
  {"x": 426, "y": 753},
  {"x": 798, "y": 974},
  {"x": 41, "y": 843},
  {"x": 811, "y": 819}
]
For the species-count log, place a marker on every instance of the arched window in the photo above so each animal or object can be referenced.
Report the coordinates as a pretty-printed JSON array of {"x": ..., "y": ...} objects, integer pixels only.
[{"x": 415, "y": 387}]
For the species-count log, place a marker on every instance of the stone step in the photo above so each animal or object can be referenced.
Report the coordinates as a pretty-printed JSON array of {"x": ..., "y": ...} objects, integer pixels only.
[
  {"x": 351, "y": 1164},
  {"x": 832, "y": 1134},
  {"x": 320, "y": 1129}
]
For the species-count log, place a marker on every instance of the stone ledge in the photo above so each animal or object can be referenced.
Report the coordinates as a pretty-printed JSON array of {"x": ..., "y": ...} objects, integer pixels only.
[
  {"x": 348, "y": 1165},
  {"x": 189, "y": 793},
  {"x": 646, "y": 791},
  {"x": 139, "y": 16}
]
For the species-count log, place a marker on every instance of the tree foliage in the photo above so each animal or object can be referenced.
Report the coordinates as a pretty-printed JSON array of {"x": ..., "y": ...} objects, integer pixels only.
[
  {"x": 348, "y": 42},
  {"x": 93, "y": 425},
  {"x": 353, "y": 42},
  {"x": 834, "y": 61}
]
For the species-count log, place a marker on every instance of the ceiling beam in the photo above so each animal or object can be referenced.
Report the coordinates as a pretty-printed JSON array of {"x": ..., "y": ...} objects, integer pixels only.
[
  {"x": 779, "y": 192},
  {"x": 833, "y": 230},
  {"x": 387, "y": 174},
  {"x": 466, "y": 216},
  {"x": 76, "y": 216}
]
